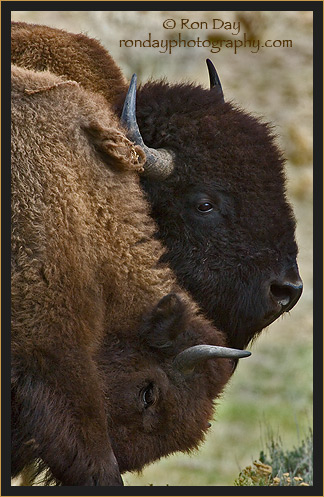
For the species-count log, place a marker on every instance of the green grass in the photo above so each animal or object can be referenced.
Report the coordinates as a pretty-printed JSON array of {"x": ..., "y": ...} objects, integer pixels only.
[{"x": 279, "y": 467}]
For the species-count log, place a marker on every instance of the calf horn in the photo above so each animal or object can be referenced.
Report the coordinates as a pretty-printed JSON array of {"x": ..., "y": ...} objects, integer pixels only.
[
  {"x": 214, "y": 79},
  {"x": 159, "y": 162},
  {"x": 189, "y": 358}
]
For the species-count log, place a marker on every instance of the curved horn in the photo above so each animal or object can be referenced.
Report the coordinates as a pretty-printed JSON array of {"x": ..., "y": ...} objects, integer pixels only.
[
  {"x": 159, "y": 162},
  {"x": 214, "y": 79},
  {"x": 186, "y": 360}
]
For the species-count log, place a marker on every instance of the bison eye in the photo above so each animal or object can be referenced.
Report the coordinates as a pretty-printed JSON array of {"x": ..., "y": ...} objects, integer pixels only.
[
  {"x": 148, "y": 396},
  {"x": 205, "y": 207}
]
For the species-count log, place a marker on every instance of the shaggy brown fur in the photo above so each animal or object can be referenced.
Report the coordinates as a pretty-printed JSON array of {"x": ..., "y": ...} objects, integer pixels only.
[
  {"x": 74, "y": 56},
  {"x": 94, "y": 391}
]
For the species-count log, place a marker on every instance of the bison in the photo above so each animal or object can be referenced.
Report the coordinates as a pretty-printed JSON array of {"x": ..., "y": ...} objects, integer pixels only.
[
  {"x": 108, "y": 353},
  {"x": 214, "y": 178}
]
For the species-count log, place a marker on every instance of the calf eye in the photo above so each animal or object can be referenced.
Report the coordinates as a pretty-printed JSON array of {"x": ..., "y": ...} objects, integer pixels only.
[
  {"x": 148, "y": 396},
  {"x": 205, "y": 207}
]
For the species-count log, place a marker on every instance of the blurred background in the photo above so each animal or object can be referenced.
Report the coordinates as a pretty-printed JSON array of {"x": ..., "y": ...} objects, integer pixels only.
[{"x": 271, "y": 392}]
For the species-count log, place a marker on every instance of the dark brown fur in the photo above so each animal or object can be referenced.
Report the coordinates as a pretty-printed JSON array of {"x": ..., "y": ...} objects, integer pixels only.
[{"x": 92, "y": 335}]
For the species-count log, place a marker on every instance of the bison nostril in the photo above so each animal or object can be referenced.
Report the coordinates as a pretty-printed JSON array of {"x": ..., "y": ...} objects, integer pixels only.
[
  {"x": 286, "y": 294},
  {"x": 281, "y": 293}
]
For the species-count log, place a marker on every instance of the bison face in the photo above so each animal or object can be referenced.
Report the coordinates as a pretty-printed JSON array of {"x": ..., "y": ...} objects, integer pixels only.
[
  {"x": 222, "y": 212},
  {"x": 164, "y": 384}
]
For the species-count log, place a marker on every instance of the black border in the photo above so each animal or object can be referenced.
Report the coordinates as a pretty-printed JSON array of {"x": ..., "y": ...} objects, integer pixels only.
[
  {"x": 285, "y": 5},
  {"x": 317, "y": 8}
]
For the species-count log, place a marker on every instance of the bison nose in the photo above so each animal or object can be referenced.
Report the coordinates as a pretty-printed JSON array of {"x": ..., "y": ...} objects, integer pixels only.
[{"x": 287, "y": 290}]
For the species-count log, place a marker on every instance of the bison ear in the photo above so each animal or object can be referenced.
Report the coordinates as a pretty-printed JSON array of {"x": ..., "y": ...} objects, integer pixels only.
[
  {"x": 115, "y": 149},
  {"x": 165, "y": 322}
]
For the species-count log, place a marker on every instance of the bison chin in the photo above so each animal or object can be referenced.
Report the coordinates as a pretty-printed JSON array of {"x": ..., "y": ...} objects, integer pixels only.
[{"x": 135, "y": 458}]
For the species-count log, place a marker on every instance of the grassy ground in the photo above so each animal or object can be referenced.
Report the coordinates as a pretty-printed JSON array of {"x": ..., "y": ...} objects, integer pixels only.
[{"x": 273, "y": 388}]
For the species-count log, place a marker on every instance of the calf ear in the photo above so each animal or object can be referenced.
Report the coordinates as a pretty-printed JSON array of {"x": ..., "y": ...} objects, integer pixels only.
[
  {"x": 115, "y": 149},
  {"x": 166, "y": 322}
]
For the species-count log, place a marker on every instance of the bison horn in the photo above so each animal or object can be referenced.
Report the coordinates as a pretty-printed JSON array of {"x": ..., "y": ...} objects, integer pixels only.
[
  {"x": 189, "y": 358},
  {"x": 215, "y": 83},
  {"x": 159, "y": 162}
]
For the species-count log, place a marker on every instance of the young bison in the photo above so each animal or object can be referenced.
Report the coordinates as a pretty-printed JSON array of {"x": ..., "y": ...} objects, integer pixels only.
[
  {"x": 104, "y": 343},
  {"x": 214, "y": 178}
]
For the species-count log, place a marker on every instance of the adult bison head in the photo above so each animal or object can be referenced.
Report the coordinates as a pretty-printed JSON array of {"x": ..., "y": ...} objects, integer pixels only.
[
  {"x": 219, "y": 202},
  {"x": 163, "y": 382}
]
